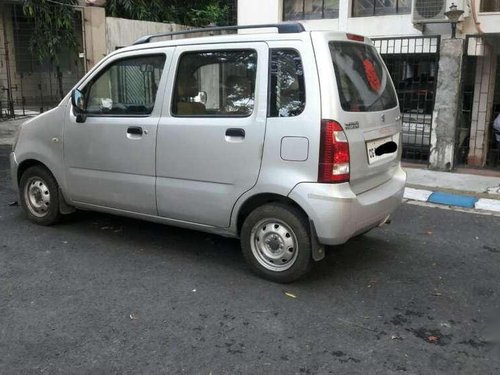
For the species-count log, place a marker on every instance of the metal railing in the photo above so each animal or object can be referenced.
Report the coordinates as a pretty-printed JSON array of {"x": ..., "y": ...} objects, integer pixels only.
[{"x": 413, "y": 65}]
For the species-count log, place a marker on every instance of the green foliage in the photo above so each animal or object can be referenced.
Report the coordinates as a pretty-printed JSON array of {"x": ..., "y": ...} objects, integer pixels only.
[
  {"x": 53, "y": 28},
  {"x": 210, "y": 14},
  {"x": 147, "y": 10},
  {"x": 192, "y": 13},
  {"x": 54, "y": 21}
]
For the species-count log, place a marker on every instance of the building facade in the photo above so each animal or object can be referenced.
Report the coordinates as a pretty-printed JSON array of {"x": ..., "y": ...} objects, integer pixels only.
[
  {"x": 449, "y": 89},
  {"x": 29, "y": 86}
]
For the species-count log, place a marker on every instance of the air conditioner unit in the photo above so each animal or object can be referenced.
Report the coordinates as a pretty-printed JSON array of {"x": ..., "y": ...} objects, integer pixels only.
[{"x": 432, "y": 11}]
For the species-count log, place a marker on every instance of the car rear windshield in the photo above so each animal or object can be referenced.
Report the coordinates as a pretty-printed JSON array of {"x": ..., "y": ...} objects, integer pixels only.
[{"x": 363, "y": 82}]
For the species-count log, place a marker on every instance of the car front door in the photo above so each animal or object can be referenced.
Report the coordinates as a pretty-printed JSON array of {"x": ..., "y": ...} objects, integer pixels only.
[
  {"x": 110, "y": 157},
  {"x": 211, "y": 133}
]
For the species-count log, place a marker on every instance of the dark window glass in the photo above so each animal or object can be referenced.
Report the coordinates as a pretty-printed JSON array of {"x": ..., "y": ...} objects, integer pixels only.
[
  {"x": 215, "y": 83},
  {"x": 404, "y": 7},
  {"x": 287, "y": 96},
  {"x": 310, "y": 9},
  {"x": 363, "y": 82},
  {"x": 331, "y": 9},
  {"x": 490, "y": 5},
  {"x": 366, "y": 8},
  {"x": 385, "y": 7},
  {"x": 313, "y": 9},
  {"x": 126, "y": 87},
  {"x": 293, "y": 10}
]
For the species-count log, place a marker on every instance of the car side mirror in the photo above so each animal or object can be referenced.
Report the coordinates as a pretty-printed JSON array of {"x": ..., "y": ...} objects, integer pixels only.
[{"x": 78, "y": 102}]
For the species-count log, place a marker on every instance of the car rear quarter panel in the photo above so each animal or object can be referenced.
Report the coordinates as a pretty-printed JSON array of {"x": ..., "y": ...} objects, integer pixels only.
[{"x": 279, "y": 176}]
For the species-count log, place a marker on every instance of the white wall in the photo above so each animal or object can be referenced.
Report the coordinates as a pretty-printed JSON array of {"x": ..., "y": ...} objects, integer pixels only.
[
  {"x": 122, "y": 32},
  {"x": 487, "y": 22},
  {"x": 259, "y": 11},
  {"x": 382, "y": 26}
]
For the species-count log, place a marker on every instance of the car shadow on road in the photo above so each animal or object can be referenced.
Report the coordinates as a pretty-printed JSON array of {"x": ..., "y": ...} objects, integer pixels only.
[
  {"x": 358, "y": 254},
  {"x": 363, "y": 252}
]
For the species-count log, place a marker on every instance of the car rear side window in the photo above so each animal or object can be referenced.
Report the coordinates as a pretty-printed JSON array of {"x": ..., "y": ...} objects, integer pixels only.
[
  {"x": 126, "y": 87},
  {"x": 287, "y": 95},
  {"x": 363, "y": 82},
  {"x": 215, "y": 84}
]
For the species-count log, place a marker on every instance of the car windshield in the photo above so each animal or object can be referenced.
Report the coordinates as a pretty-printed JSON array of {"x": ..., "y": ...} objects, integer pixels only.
[{"x": 363, "y": 82}]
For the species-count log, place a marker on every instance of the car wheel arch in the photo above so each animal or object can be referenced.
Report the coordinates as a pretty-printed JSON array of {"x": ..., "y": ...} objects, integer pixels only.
[
  {"x": 257, "y": 200},
  {"x": 28, "y": 163}
]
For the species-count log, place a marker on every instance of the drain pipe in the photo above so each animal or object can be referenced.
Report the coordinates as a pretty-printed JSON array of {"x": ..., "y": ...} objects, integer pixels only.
[{"x": 474, "y": 17}]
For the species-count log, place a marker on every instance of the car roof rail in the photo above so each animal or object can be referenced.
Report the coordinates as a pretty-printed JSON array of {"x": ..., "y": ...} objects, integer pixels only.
[{"x": 283, "y": 28}]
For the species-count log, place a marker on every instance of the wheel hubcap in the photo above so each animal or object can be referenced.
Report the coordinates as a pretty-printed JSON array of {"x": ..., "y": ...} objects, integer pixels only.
[
  {"x": 37, "y": 197},
  {"x": 274, "y": 244}
]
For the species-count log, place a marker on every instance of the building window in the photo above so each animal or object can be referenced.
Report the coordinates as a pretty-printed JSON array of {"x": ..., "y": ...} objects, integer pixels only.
[
  {"x": 490, "y": 5},
  {"x": 367, "y": 8},
  {"x": 310, "y": 9}
]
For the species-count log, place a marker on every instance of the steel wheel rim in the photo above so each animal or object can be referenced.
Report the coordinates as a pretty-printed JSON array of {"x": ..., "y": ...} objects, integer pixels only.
[
  {"x": 274, "y": 244},
  {"x": 37, "y": 196}
]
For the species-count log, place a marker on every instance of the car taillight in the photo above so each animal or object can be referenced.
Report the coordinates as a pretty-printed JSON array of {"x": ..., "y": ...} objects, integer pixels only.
[
  {"x": 333, "y": 153},
  {"x": 357, "y": 38}
]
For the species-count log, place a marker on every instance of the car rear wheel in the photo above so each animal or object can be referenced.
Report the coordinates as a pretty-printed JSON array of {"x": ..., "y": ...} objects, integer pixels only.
[
  {"x": 276, "y": 242},
  {"x": 39, "y": 195}
]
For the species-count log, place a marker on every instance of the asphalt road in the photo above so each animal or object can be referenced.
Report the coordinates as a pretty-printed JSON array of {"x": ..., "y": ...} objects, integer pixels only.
[{"x": 101, "y": 295}]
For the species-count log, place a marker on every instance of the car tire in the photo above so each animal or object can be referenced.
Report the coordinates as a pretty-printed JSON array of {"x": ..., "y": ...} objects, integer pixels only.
[
  {"x": 39, "y": 196},
  {"x": 276, "y": 242}
]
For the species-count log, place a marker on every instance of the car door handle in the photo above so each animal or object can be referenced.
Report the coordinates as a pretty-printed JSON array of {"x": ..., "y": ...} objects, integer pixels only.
[
  {"x": 134, "y": 130},
  {"x": 235, "y": 132}
]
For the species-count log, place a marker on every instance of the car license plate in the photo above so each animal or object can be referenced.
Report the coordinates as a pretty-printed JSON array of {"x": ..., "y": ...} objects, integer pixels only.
[{"x": 371, "y": 146}]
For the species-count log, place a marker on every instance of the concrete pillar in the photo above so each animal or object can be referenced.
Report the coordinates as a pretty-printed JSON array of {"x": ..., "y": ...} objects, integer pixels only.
[
  {"x": 480, "y": 128},
  {"x": 344, "y": 13},
  {"x": 94, "y": 35},
  {"x": 447, "y": 105}
]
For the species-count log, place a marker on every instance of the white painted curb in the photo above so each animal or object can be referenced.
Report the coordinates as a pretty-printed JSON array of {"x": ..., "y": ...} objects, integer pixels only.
[
  {"x": 483, "y": 204},
  {"x": 417, "y": 194},
  {"x": 488, "y": 204}
]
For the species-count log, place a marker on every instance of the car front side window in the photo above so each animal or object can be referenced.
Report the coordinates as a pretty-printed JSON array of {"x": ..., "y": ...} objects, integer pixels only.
[{"x": 126, "y": 87}]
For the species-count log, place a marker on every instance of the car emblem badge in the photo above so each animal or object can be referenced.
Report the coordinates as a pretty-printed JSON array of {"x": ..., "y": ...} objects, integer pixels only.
[{"x": 352, "y": 125}]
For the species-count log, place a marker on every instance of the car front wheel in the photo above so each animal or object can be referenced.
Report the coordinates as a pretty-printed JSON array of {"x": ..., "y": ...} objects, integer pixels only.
[{"x": 39, "y": 195}]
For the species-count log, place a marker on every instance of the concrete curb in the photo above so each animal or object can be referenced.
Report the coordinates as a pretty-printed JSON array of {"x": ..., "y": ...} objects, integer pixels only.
[{"x": 452, "y": 200}]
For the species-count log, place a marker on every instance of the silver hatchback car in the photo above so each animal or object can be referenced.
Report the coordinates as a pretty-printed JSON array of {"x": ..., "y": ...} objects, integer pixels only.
[{"x": 289, "y": 140}]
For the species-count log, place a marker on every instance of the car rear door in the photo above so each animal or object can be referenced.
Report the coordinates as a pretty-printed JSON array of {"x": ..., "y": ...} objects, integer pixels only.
[{"x": 211, "y": 133}]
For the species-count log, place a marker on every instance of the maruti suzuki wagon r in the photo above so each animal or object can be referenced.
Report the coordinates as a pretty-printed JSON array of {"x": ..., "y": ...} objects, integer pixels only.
[{"x": 289, "y": 139}]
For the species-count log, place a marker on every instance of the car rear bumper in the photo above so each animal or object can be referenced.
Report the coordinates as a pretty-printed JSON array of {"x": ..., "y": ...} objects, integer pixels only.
[
  {"x": 338, "y": 214},
  {"x": 13, "y": 170}
]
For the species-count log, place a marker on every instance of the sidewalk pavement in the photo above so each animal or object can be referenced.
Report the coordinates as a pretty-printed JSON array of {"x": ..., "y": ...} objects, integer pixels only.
[{"x": 466, "y": 190}]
